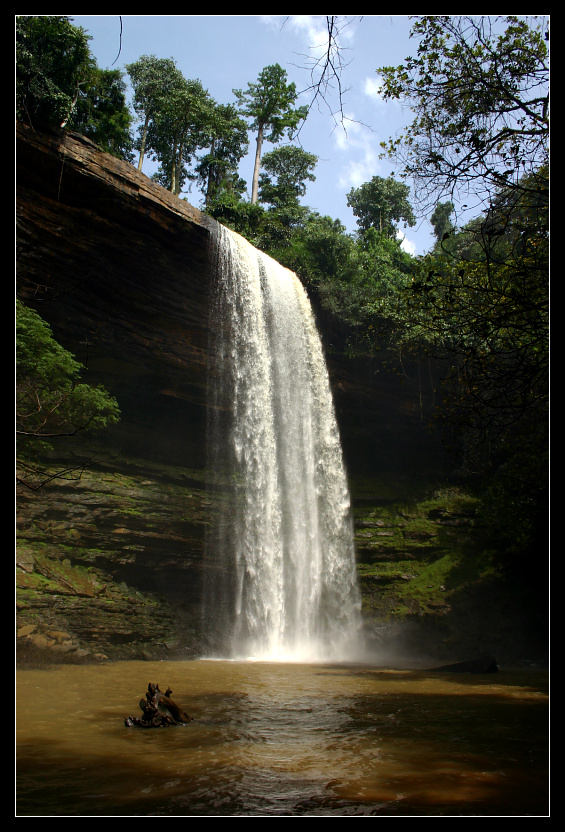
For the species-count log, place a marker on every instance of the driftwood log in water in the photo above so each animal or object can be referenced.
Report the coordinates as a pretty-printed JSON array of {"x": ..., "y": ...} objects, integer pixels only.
[{"x": 159, "y": 710}]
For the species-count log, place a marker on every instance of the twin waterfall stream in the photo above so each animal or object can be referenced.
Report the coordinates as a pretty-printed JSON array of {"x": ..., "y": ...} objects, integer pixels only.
[{"x": 281, "y": 582}]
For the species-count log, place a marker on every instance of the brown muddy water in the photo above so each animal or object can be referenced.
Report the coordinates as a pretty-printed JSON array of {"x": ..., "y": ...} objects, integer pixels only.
[{"x": 273, "y": 739}]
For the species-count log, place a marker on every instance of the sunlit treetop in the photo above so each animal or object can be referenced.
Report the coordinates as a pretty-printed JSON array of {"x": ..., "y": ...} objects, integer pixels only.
[{"x": 479, "y": 90}]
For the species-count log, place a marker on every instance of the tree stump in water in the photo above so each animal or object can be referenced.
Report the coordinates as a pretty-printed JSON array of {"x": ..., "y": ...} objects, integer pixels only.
[{"x": 159, "y": 710}]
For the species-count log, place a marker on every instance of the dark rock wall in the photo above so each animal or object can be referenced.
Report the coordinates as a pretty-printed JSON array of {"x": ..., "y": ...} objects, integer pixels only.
[{"x": 118, "y": 267}]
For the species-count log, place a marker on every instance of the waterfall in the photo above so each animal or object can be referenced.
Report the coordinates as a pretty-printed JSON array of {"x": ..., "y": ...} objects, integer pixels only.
[{"x": 280, "y": 580}]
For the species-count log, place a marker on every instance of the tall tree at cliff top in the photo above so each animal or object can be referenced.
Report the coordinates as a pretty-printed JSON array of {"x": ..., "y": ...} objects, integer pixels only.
[
  {"x": 183, "y": 125},
  {"x": 152, "y": 79},
  {"x": 53, "y": 63},
  {"x": 270, "y": 105},
  {"x": 285, "y": 171},
  {"x": 103, "y": 115},
  {"x": 58, "y": 83},
  {"x": 381, "y": 204},
  {"x": 217, "y": 167}
]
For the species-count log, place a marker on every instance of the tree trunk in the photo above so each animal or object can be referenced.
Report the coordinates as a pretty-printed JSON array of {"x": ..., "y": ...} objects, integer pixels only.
[
  {"x": 178, "y": 169},
  {"x": 173, "y": 167},
  {"x": 255, "y": 187},
  {"x": 158, "y": 709},
  {"x": 71, "y": 108},
  {"x": 143, "y": 142},
  {"x": 209, "y": 178}
]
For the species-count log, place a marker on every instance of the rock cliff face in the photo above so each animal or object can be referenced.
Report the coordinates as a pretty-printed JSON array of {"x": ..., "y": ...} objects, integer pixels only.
[
  {"x": 110, "y": 563},
  {"x": 119, "y": 269},
  {"x": 118, "y": 266}
]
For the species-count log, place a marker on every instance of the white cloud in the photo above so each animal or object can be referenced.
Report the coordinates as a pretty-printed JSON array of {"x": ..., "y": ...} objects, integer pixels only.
[
  {"x": 310, "y": 27},
  {"x": 313, "y": 27},
  {"x": 356, "y": 172},
  {"x": 406, "y": 244},
  {"x": 372, "y": 88},
  {"x": 358, "y": 143}
]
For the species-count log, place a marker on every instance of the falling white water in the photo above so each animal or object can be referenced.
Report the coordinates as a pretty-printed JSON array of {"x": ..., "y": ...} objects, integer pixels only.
[{"x": 281, "y": 581}]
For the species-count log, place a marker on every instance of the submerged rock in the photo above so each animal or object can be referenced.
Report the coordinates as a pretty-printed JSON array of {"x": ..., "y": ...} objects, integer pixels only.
[{"x": 484, "y": 664}]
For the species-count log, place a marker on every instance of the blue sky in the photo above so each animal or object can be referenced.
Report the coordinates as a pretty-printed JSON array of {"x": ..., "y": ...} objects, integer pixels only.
[{"x": 229, "y": 51}]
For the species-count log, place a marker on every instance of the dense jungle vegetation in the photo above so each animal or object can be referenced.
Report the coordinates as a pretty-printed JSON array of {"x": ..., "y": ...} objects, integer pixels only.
[{"x": 477, "y": 88}]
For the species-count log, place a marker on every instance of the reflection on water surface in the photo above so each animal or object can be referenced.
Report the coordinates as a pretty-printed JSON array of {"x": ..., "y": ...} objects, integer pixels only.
[{"x": 278, "y": 739}]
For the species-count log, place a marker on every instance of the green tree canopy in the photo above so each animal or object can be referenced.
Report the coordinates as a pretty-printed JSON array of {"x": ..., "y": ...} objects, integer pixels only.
[
  {"x": 270, "y": 106},
  {"x": 51, "y": 399},
  {"x": 285, "y": 173},
  {"x": 59, "y": 83},
  {"x": 481, "y": 301},
  {"x": 53, "y": 64},
  {"x": 381, "y": 204},
  {"x": 217, "y": 168},
  {"x": 281, "y": 184},
  {"x": 237, "y": 213},
  {"x": 481, "y": 304},
  {"x": 182, "y": 126},
  {"x": 479, "y": 89},
  {"x": 360, "y": 280},
  {"x": 441, "y": 219},
  {"x": 322, "y": 251},
  {"x": 152, "y": 80},
  {"x": 103, "y": 115},
  {"x": 179, "y": 118}
]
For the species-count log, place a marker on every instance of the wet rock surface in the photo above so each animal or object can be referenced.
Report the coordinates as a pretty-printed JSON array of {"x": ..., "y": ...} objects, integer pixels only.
[{"x": 113, "y": 562}]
